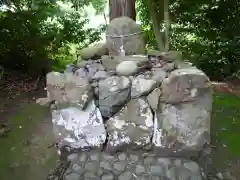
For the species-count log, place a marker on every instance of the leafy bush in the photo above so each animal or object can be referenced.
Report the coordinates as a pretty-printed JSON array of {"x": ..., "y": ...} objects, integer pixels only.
[{"x": 31, "y": 35}]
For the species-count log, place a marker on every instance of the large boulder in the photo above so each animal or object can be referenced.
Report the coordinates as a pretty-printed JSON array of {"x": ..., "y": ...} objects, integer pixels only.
[
  {"x": 114, "y": 92},
  {"x": 185, "y": 85},
  {"x": 131, "y": 127},
  {"x": 133, "y": 42},
  {"x": 68, "y": 90},
  {"x": 79, "y": 129},
  {"x": 182, "y": 120}
]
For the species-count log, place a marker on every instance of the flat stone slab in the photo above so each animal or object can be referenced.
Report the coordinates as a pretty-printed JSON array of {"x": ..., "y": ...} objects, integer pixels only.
[{"x": 129, "y": 166}]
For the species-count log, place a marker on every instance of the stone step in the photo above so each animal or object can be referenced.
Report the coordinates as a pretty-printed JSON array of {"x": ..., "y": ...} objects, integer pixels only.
[{"x": 129, "y": 166}]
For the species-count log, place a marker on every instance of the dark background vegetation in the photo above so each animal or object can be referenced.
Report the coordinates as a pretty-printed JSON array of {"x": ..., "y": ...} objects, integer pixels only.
[{"x": 207, "y": 32}]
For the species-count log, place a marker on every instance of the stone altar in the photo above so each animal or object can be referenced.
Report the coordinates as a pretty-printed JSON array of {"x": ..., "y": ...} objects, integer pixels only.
[{"x": 131, "y": 117}]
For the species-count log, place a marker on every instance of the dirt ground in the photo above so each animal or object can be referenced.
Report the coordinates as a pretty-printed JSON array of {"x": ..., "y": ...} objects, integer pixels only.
[{"x": 25, "y": 147}]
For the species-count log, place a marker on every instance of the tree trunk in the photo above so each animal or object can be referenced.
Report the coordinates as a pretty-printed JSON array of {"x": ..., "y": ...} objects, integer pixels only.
[
  {"x": 156, "y": 24},
  {"x": 167, "y": 24},
  {"x": 120, "y": 8}
]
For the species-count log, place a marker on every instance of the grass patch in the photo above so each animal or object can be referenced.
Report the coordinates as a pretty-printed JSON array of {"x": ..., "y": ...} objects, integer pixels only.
[
  {"x": 226, "y": 122},
  {"x": 13, "y": 147}
]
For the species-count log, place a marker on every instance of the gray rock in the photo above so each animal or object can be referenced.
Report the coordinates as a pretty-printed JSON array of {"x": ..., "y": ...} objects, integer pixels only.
[
  {"x": 140, "y": 169},
  {"x": 95, "y": 157},
  {"x": 109, "y": 63},
  {"x": 158, "y": 170},
  {"x": 179, "y": 173},
  {"x": 127, "y": 68},
  {"x": 76, "y": 167},
  {"x": 132, "y": 44},
  {"x": 153, "y": 98},
  {"x": 142, "y": 87},
  {"x": 158, "y": 75},
  {"x": 130, "y": 130},
  {"x": 186, "y": 126},
  {"x": 73, "y": 157},
  {"x": 133, "y": 158},
  {"x": 125, "y": 176},
  {"x": 68, "y": 90},
  {"x": 79, "y": 129},
  {"x": 164, "y": 161},
  {"x": 122, "y": 157},
  {"x": 194, "y": 167},
  {"x": 177, "y": 162},
  {"x": 185, "y": 85},
  {"x": 107, "y": 157},
  {"x": 90, "y": 175},
  {"x": 72, "y": 176},
  {"x": 149, "y": 160},
  {"x": 82, "y": 157},
  {"x": 107, "y": 176},
  {"x": 105, "y": 165},
  {"x": 91, "y": 166},
  {"x": 120, "y": 166},
  {"x": 100, "y": 75},
  {"x": 168, "y": 67},
  {"x": 91, "y": 70},
  {"x": 114, "y": 92}
]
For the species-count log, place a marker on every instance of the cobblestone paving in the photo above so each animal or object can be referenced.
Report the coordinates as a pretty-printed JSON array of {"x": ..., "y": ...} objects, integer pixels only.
[{"x": 129, "y": 166}]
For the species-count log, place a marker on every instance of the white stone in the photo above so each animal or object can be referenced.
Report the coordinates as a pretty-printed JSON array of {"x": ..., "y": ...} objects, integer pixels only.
[{"x": 127, "y": 68}]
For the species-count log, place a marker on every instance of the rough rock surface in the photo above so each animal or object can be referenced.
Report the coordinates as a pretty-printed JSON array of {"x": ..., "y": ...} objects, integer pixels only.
[
  {"x": 114, "y": 92},
  {"x": 68, "y": 90},
  {"x": 89, "y": 70},
  {"x": 133, "y": 44},
  {"x": 128, "y": 166},
  {"x": 155, "y": 104},
  {"x": 185, "y": 85},
  {"x": 130, "y": 130},
  {"x": 141, "y": 86},
  {"x": 96, "y": 51},
  {"x": 79, "y": 129}
]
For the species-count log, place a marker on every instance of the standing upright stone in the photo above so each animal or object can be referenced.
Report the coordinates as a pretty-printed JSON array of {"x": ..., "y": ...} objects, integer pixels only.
[
  {"x": 133, "y": 42},
  {"x": 182, "y": 121}
]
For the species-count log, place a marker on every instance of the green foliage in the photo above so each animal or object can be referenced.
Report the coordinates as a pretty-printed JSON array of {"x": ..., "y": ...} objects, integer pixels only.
[
  {"x": 33, "y": 32},
  {"x": 207, "y": 32}
]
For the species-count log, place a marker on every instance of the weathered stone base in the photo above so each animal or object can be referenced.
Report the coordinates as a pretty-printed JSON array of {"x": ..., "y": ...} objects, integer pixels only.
[{"x": 128, "y": 166}]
